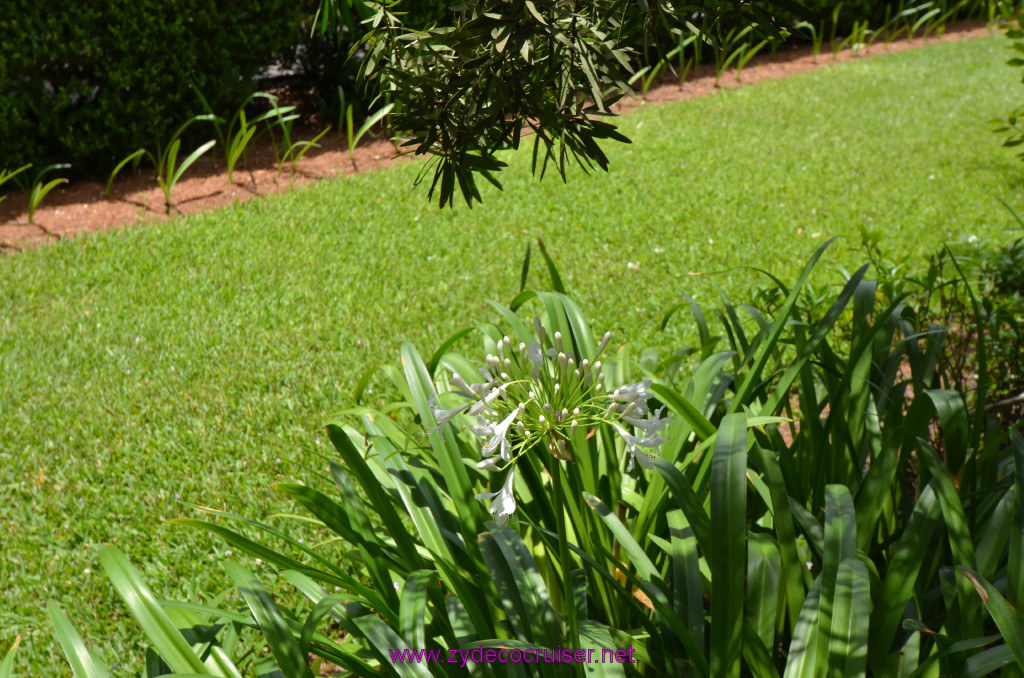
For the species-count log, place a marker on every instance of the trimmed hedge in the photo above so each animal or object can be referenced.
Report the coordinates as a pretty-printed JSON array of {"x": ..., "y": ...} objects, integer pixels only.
[{"x": 89, "y": 82}]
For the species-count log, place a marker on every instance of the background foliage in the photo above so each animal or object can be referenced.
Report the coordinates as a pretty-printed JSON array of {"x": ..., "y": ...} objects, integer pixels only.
[{"x": 89, "y": 86}]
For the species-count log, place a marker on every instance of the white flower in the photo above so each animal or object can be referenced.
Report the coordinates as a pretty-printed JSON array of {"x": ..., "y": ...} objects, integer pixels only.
[
  {"x": 632, "y": 393},
  {"x": 650, "y": 425},
  {"x": 633, "y": 443},
  {"x": 485, "y": 402},
  {"x": 504, "y": 503},
  {"x": 498, "y": 442},
  {"x": 535, "y": 352},
  {"x": 470, "y": 390},
  {"x": 482, "y": 429},
  {"x": 442, "y": 416},
  {"x": 489, "y": 464}
]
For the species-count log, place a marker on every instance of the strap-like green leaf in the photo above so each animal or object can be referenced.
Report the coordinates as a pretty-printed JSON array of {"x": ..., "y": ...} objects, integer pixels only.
[
  {"x": 1010, "y": 622},
  {"x": 161, "y": 632},
  {"x": 285, "y": 648},
  {"x": 764, "y": 566},
  {"x": 595, "y": 636},
  {"x": 1015, "y": 562},
  {"x": 848, "y": 635},
  {"x": 83, "y": 663},
  {"x": 899, "y": 579},
  {"x": 803, "y": 660},
  {"x": 7, "y": 665},
  {"x": 840, "y": 546},
  {"x": 728, "y": 554}
]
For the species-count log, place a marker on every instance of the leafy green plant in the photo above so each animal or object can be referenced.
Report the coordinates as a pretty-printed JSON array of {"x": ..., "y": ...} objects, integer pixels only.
[
  {"x": 926, "y": 16},
  {"x": 833, "y": 28},
  {"x": 548, "y": 57},
  {"x": 133, "y": 158},
  {"x": 848, "y": 533},
  {"x": 648, "y": 74},
  {"x": 816, "y": 37},
  {"x": 297, "y": 150},
  {"x": 169, "y": 172},
  {"x": 731, "y": 49},
  {"x": 37, "y": 190},
  {"x": 353, "y": 139},
  {"x": 98, "y": 100},
  {"x": 237, "y": 135},
  {"x": 686, "y": 66},
  {"x": 5, "y": 175},
  {"x": 748, "y": 54},
  {"x": 283, "y": 119}
]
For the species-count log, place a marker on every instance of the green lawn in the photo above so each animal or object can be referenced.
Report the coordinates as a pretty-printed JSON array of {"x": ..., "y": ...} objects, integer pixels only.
[{"x": 199, "y": 358}]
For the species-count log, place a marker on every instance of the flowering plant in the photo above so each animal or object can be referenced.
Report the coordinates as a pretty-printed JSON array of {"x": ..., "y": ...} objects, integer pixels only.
[{"x": 536, "y": 396}]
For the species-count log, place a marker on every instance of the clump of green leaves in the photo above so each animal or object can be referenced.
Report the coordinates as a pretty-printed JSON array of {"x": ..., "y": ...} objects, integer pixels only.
[
  {"x": 353, "y": 137},
  {"x": 1013, "y": 124},
  {"x": 846, "y": 547},
  {"x": 165, "y": 160},
  {"x": 6, "y": 175},
  {"x": 37, "y": 190},
  {"x": 133, "y": 158},
  {"x": 168, "y": 171}
]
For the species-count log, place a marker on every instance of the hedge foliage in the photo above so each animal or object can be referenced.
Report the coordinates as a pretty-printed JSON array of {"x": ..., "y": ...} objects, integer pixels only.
[{"x": 89, "y": 84}]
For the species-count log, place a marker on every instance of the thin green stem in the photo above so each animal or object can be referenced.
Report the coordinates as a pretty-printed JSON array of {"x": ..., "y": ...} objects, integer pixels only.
[{"x": 568, "y": 604}]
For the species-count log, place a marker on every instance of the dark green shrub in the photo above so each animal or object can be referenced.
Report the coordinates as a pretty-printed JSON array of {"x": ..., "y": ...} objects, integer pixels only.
[{"x": 91, "y": 85}]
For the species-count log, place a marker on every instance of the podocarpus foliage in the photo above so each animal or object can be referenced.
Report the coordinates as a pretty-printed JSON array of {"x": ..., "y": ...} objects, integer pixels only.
[
  {"x": 804, "y": 515},
  {"x": 465, "y": 91}
]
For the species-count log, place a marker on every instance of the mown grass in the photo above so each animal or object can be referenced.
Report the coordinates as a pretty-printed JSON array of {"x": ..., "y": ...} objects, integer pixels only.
[{"x": 199, "y": 358}]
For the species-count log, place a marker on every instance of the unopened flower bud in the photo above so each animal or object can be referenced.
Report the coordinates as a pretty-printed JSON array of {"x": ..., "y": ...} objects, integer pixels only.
[
  {"x": 548, "y": 408},
  {"x": 612, "y": 408},
  {"x": 539, "y": 329},
  {"x": 558, "y": 341},
  {"x": 629, "y": 408},
  {"x": 572, "y": 427},
  {"x": 542, "y": 420},
  {"x": 576, "y": 412}
]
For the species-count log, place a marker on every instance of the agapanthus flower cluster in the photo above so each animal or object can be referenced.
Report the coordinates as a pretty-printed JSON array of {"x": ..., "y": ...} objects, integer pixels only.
[{"x": 537, "y": 396}]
